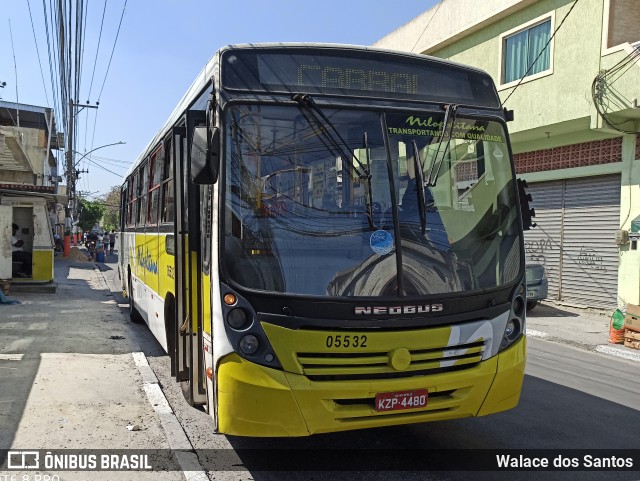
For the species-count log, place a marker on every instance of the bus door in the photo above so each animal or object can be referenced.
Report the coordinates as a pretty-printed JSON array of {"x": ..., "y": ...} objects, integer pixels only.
[{"x": 188, "y": 354}]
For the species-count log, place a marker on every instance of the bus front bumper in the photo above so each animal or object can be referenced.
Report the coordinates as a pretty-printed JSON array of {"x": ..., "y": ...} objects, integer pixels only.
[{"x": 257, "y": 401}]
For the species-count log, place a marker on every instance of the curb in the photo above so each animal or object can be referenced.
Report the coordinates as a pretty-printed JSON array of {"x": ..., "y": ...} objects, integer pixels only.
[
  {"x": 601, "y": 348},
  {"x": 631, "y": 356},
  {"x": 34, "y": 287},
  {"x": 177, "y": 439}
]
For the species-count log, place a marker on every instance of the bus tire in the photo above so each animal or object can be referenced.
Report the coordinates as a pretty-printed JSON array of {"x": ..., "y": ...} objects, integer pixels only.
[
  {"x": 531, "y": 305},
  {"x": 134, "y": 314},
  {"x": 169, "y": 324},
  {"x": 185, "y": 386}
]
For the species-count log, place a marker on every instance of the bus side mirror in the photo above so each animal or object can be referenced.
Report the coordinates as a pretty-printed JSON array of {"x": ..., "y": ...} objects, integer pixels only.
[
  {"x": 525, "y": 207},
  {"x": 204, "y": 155}
]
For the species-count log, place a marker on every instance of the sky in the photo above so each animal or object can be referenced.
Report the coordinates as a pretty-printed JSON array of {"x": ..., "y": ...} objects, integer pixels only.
[{"x": 139, "y": 68}]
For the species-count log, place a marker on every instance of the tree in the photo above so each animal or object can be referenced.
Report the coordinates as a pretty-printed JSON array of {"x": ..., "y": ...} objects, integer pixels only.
[
  {"x": 91, "y": 212},
  {"x": 111, "y": 203}
]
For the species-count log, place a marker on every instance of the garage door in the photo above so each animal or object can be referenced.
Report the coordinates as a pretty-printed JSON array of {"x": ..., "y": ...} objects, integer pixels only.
[
  {"x": 577, "y": 221},
  {"x": 543, "y": 242}
]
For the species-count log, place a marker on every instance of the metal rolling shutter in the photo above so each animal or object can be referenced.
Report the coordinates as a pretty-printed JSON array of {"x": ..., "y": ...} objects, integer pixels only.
[
  {"x": 543, "y": 242},
  {"x": 590, "y": 254}
]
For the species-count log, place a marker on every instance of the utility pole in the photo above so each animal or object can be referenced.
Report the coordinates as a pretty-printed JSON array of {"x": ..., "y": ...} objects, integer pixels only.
[
  {"x": 71, "y": 179},
  {"x": 72, "y": 174}
]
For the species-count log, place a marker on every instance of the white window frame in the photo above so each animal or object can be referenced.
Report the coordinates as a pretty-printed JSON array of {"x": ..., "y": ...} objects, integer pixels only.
[{"x": 532, "y": 23}]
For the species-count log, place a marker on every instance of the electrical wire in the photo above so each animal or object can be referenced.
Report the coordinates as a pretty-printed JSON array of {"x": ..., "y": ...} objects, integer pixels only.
[
  {"x": 38, "y": 54},
  {"x": 602, "y": 85},
  {"x": 95, "y": 122},
  {"x": 427, "y": 25},
  {"x": 127, "y": 162},
  {"x": 95, "y": 61},
  {"x": 112, "y": 50},
  {"x": 117, "y": 166},
  {"x": 54, "y": 88},
  {"x": 15, "y": 67},
  {"x": 540, "y": 54},
  {"x": 103, "y": 168}
]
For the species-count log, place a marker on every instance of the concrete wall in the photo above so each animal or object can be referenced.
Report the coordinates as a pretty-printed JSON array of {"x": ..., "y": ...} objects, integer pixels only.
[
  {"x": 629, "y": 271},
  {"x": 22, "y": 155},
  {"x": 563, "y": 95},
  {"x": 560, "y": 102},
  {"x": 448, "y": 22},
  {"x": 623, "y": 23}
]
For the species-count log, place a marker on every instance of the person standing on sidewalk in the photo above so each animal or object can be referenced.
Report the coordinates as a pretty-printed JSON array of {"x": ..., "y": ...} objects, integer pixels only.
[
  {"x": 112, "y": 241},
  {"x": 18, "y": 255}
]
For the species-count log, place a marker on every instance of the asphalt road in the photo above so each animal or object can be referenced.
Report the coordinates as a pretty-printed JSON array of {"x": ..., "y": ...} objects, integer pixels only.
[{"x": 572, "y": 399}]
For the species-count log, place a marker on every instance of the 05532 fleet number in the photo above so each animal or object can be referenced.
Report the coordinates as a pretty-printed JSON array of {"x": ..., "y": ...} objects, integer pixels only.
[{"x": 346, "y": 340}]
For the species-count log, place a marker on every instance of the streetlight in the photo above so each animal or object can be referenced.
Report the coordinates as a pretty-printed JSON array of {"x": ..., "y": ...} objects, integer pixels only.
[
  {"x": 93, "y": 150},
  {"x": 72, "y": 211}
]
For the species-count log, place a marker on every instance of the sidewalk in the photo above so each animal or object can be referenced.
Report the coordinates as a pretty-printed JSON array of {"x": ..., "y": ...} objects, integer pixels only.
[
  {"x": 583, "y": 328},
  {"x": 69, "y": 377}
]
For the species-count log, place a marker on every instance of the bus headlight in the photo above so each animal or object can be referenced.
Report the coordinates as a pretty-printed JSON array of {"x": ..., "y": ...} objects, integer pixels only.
[
  {"x": 511, "y": 332},
  {"x": 515, "y": 325},
  {"x": 249, "y": 344},
  {"x": 243, "y": 327},
  {"x": 238, "y": 319}
]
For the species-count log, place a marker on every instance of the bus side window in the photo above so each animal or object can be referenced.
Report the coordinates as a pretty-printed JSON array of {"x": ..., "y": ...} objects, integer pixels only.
[
  {"x": 155, "y": 178},
  {"x": 124, "y": 206},
  {"x": 135, "y": 193},
  {"x": 167, "y": 200},
  {"x": 143, "y": 189}
]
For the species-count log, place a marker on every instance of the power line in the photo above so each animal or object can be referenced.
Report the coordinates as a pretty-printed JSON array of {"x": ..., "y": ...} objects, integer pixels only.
[
  {"x": 126, "y": 162},
  {"x": 15, "y": 67},
  {"x": 427, "y": 25},
  {"x": 113, "y": 49},
  {"x": 540, "y": 54},
  {"x": 56, "y": 103},
  {"x": 602, "y": 85},
  {"x": 38, "y": 53},
  {"x": 95, "y": 62},
  {"x": 117, "y": 166},
  {"x": 95, "y": 120},
  {"x": 103, "y": 168}
]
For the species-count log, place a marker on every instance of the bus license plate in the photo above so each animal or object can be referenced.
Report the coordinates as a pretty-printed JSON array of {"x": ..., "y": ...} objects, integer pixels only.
[
  {"x": 393, "y": 401},
  {"x": 531, "y": 294}
]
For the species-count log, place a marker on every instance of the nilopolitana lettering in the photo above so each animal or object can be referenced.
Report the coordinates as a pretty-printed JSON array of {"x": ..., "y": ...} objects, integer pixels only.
[
  {"x": 434, "y": 128},
  {"x": 146, "y": 261}
]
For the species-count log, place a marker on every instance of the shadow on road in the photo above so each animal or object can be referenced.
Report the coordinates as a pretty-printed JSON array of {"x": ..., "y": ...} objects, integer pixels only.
[{"x": 547, "y": 310}]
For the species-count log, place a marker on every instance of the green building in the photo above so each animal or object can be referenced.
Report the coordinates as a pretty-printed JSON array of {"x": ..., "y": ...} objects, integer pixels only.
[{"x": 570, "y": 71}]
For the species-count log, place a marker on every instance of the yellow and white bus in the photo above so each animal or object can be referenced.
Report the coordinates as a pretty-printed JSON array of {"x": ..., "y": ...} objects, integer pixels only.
[{"x": 327, "y": 238}]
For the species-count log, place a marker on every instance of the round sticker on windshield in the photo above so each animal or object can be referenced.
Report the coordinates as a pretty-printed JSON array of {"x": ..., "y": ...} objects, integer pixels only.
[{"x": 381, "y": 242}]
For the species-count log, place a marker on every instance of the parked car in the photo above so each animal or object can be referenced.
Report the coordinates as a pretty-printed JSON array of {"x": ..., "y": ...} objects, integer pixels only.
[{"x": 537, "y": 284}]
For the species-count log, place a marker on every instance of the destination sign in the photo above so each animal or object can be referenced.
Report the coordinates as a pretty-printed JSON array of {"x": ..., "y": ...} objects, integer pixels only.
[{"x": 354, "y": 72}]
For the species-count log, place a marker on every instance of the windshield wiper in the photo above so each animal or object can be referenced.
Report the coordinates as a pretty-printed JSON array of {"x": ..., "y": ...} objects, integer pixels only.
[
  {"x": 307, "y": 101},
  {"x": 341, "y": 147},
  {"x": 422, "y": 208},
  {"x": 368, "y": 185},
  {"x": 450, "y": 111}
]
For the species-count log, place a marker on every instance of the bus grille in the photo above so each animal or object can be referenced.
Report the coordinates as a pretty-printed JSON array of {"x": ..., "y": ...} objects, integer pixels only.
[{"x": 377, "y": 365}]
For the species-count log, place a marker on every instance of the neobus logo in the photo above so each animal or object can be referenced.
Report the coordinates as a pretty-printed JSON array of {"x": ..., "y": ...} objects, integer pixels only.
[{"x": 395, "y": 310}]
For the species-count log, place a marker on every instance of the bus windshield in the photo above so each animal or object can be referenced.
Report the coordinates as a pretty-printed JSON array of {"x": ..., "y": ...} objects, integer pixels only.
[{"x": 363, "y": 203}]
